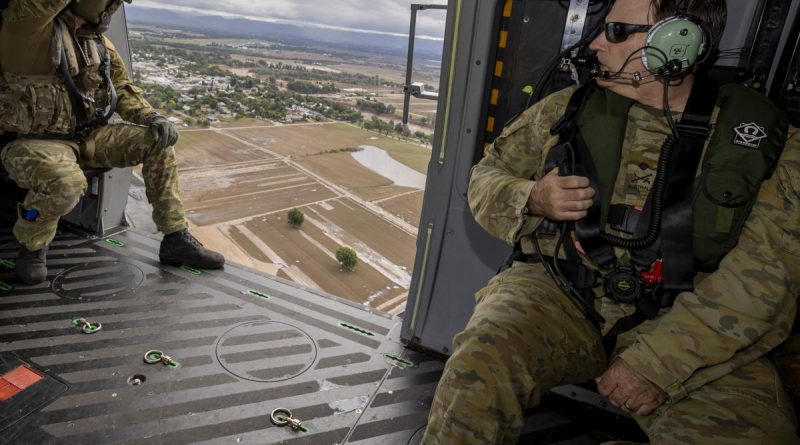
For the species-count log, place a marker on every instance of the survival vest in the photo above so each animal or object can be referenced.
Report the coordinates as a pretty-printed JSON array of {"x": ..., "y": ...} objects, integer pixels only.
[
  {"x": 75, "y": 99},
  {"x": 703, "y": 214},
  {"x": 745, "y": 145}
]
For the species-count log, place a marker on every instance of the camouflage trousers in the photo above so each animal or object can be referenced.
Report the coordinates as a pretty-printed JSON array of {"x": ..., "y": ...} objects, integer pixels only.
[
  {"x": 526, "y": 337},
  {"x": 51, "y": 171}
]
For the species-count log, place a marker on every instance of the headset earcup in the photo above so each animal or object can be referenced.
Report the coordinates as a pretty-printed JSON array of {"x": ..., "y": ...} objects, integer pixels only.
[{"x": 673, "y": 45}]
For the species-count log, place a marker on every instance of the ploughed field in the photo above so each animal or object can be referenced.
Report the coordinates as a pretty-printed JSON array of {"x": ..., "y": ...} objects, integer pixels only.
[{"x": 238, "y": 184}]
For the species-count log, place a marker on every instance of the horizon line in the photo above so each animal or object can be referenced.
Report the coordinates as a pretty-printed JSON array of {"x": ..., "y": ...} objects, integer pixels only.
[{"x": 145, "y": 4}]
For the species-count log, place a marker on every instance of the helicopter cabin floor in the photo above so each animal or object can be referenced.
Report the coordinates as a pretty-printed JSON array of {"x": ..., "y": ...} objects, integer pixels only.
[{"x": 245, "y": 344}]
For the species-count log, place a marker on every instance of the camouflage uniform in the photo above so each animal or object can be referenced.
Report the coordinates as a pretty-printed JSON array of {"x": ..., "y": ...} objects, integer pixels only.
[
  {"x": 51, "y": 171},
  {"x": 51, "y": 167},
  {"x": 707, "y": 352}
]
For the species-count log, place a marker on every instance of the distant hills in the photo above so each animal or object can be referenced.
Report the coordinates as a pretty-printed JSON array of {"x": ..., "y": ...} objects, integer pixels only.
[{"x": 290, "y": 34}]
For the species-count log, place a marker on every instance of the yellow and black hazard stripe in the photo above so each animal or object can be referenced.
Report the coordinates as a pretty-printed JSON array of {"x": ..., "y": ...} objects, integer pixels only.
[{"x": 493, "y": 128}]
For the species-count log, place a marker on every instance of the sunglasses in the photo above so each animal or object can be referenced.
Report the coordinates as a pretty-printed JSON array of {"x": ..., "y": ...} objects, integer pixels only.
[{"x": 617, "y": 32}]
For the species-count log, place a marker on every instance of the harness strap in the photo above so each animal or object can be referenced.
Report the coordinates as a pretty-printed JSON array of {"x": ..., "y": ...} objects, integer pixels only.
[
  {"x": 624, "y": 218},
  {"x": 76, "y": 98},
  {"x": 106, "y": 70},
  {"x": 573, "y": 158},
  {"x": 647, "y": 308},
  {"x": 676, "y": 230}
]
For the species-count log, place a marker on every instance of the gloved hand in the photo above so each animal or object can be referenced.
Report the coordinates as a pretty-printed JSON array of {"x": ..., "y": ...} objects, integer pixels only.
[{"x": 163, "y": 131}]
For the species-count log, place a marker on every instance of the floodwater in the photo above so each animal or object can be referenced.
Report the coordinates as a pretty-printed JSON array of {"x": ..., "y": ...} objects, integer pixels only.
[{"x": 379, "y": 161}]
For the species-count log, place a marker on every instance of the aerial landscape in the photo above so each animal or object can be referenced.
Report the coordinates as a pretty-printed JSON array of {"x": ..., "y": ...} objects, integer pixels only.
[{"x": 270, "y": 125}]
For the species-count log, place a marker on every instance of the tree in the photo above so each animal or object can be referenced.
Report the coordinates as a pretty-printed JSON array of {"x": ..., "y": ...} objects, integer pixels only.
[
  {"x": 347, "y": 258},
  {"x": 296, "y": 218}
]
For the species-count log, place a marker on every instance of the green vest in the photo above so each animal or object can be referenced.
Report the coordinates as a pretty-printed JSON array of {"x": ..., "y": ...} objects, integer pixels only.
[
  {"x": 747, "y": 140},
  {"x": 39, "y": 103}
]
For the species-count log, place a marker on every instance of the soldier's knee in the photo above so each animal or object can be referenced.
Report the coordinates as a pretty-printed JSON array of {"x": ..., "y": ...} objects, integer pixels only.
[{"x": 65, "y": 185}]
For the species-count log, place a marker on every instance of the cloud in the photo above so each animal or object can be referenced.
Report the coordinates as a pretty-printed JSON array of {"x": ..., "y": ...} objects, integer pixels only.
[{"x": 389, "y": 17}]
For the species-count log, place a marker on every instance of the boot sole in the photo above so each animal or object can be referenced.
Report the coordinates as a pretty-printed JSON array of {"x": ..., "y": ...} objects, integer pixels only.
[{"x": 179, "y": 263}]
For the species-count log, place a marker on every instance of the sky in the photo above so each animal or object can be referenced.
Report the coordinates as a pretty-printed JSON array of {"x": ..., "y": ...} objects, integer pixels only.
[{"x": 387, "y": 17}]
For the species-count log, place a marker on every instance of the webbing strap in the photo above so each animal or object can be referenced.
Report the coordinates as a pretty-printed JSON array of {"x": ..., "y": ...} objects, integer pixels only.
[
  {"x": 76, "y": 98},
  {"x": 114, "y": 98},
  {"x": 574, "y": 158},
  {"x": 646, "y": 309},
  {"x": 676, "y": 229}
]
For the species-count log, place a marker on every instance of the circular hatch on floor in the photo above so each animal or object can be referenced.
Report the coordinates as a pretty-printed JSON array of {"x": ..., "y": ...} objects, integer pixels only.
[
  {"x": 416, "y": 439},
  {"x": 266, "y": 351},
  {"x": 98, "y": 280}
]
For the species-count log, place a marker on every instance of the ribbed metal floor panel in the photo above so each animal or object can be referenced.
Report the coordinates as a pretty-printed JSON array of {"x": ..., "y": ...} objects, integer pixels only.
[{"x": 247, "y": 344}]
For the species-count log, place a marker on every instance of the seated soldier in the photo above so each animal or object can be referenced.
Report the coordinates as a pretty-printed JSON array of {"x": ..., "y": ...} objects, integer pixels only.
[
  {"x": 667, "y": 290},
  {"x": 61, "y": 82}
]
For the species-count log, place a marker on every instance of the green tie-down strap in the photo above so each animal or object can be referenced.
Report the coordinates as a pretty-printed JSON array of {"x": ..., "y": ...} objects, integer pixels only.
[
  {"x": 115, "y": 242},
  {"x": 191, "y": 270}
]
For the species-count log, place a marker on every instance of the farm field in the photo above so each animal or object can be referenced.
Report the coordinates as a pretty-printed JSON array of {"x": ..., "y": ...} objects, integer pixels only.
[
  {"x": 239, "y": 200},
  {"x": 209, "y": 148}
]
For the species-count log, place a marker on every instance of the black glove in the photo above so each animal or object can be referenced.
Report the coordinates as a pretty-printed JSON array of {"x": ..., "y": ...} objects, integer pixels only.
[{"x": 163, "y": 131}]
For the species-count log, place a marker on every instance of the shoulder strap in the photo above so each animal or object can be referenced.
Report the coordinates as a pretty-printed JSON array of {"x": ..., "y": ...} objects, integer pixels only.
[
  {"x": 76, "y": 98},
  {"x": 676, "y": 228},
  {"x": 105, "y": 68}
]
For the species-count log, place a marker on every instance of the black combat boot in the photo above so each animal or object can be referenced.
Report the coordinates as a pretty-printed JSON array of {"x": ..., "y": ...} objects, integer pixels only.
[
  {"x": 32, "y": 266},
  {"x": 182, "y": 249}
]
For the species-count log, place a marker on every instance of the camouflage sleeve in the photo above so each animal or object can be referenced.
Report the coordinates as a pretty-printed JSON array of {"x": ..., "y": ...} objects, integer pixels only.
[
  {"x": 33, "y": 13},
  {"x": 132, "y": 105},
  {"x": 501, "y": 182},
  {"x": 743, "y": 310}
]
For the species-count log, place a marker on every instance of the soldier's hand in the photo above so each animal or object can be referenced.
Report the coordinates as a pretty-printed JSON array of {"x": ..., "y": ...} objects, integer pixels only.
[
  {"x": 561, "y": 198},
  {"x": 163, "y": 131},
  {"x": 629, "y": 390}
]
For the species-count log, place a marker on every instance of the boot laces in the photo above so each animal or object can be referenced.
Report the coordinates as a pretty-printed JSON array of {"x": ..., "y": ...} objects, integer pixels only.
[{"x": 191, "y": 239}]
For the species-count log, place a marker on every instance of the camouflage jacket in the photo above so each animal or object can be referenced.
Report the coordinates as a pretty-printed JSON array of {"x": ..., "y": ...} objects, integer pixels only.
[
  {"x": 33, "y": 95},
  {"x": 735, "y": 315}
]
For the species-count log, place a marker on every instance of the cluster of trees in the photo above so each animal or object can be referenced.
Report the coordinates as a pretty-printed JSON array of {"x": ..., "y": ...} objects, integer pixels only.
[
  {"x": 375, "y": 106},
  {"x": 162, "y": 97},
  {"x": 426, "y": 139},
  {"x": 301, "y": 86},
  {"x": 346, "y": 256},
  {"x": 387, "y": 128},
  {"x": 297, "y": 72},
  {"x": 335, "y": 111}
]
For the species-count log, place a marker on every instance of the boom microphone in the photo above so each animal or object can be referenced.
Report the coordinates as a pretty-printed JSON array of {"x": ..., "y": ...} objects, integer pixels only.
[{"x": 597, "y": 73}]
